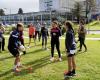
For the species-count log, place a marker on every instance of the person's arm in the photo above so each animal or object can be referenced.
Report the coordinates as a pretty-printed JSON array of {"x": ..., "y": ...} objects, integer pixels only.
[
  {"x": 69, "y": 41},
  {"x": 3, "y": 29},
  {"x": 59, "y": 32}
]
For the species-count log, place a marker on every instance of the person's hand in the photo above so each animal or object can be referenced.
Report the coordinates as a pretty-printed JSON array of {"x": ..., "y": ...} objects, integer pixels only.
[{"x": 54, "y": 34}]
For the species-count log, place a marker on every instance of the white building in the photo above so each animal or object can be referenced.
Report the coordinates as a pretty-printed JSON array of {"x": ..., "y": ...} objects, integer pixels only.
[
  {"x": 58, "y": 5},
  {"x": 98, "y": 6}
]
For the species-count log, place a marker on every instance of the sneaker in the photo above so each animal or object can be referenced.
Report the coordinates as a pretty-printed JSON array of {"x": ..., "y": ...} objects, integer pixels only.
[
  {"x": 52, "y": 59},
  {"x": 16, "y": 70},
  {"x": 60, "y": 59},
  {"x": 85, "y": 50},
  {"x": 79, "y": 50},
  {"x": 73, "y": 73},
  {"x": 68, "y": 74}
]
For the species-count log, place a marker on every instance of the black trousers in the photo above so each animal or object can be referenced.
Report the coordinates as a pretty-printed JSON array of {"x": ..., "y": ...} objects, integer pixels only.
[
  {"x": 82, "y": 43},
  {"x": 57, "y": 44},
  {"x": 44, "y": 40},
  {"x": 2, "y": 44}
]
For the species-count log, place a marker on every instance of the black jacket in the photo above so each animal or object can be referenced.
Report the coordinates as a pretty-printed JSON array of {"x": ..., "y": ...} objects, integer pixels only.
[{"x": 69, "y": 40}]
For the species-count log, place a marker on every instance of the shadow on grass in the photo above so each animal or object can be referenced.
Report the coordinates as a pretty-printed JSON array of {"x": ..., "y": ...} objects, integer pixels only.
[
  {"x": 2, "y": 59},
  {"x": 35, "y": 51},
  {"x": 5, "y": 73},
  {"x": 34, "y": 64}
]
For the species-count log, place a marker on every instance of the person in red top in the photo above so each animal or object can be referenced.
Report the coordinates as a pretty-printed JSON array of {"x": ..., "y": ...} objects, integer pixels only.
[{"x": 31, "y": 33}]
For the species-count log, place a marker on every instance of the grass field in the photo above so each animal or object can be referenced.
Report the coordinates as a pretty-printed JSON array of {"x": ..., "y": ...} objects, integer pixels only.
[
  {"x": 95, "y": 25},
  {"x": 88, "y": 64}
]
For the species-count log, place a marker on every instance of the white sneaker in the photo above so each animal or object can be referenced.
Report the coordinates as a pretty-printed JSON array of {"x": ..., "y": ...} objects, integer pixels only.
[
  {"x": 60, "y": 59},
  {"x": 52, "y": 59}
]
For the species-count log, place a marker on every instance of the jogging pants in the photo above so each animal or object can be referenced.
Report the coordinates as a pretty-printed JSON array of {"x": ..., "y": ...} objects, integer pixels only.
[{"x": 57, "y": 44}]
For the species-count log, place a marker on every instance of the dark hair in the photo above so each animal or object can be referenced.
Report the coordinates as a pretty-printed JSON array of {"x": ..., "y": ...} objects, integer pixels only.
[
  {"x": 69, "y": 25},
  {"x": 82, "y": 21},
  {"x": 19, "y": 25},
  {"x": 55, "y": 22}
]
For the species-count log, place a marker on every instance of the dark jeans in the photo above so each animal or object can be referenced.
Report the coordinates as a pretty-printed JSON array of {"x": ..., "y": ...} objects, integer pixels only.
[
  {"x": 82, "y": 43},
  {"x": 44, "y": 40},
  {"x": 57, "y": 43}
]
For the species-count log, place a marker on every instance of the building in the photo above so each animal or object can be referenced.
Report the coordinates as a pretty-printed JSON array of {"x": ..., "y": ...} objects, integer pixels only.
[
  {"x": 26, "y": 18},
  {"x": 56, "y": 5}
]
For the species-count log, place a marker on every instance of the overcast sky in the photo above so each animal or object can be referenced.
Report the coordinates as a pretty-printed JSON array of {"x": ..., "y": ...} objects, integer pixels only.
[{"x": 14, "y": 5}]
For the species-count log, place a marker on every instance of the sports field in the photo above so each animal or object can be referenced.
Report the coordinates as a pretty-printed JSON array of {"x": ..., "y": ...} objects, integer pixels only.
[{"x": 88, "y": 64}]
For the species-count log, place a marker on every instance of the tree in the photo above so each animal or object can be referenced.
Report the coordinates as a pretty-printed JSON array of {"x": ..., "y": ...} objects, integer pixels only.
[
  {"x": 77, "y": 11},
  {"x": 20, "y": 11},
  {"x": 2, "y": 12},
  {"x": 90, "y": 6}
]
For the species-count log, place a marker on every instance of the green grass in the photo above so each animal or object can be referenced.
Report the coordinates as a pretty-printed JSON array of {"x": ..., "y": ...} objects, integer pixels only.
[
  {"x": 95, "y": 25},
  {"x": 88, "y": 64},
  {"x": 93, "y": 35}
]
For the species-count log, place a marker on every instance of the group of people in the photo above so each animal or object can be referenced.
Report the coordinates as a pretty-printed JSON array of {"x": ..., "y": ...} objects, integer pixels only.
[{"x": 16, "y": 42}]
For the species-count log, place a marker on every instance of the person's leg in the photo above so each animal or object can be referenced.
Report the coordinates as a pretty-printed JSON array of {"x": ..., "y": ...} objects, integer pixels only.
[
  {"x": 29, "y": 41},
  {"x": 80, "y": 44},
  {"x": 0, "y": 46},
  {"x": 22, "y": 42},
  {"x": 42, "y": 42},
  {"x": 52, "y": 48},
  {"x": 73, "y": 65},
  {"x": 34, "y": 40},
  {"x": 17, "y": 62},
  {"x": 39, "y": 37},
  {"x": 45, "y": 42},
  {"x": 69, "y": 64},
  {"x": 58, "y": 48},
  {"x": 35, "y": 35},
  {"x": 3, "y": 44},
  {"x": 83, "y": 42}
]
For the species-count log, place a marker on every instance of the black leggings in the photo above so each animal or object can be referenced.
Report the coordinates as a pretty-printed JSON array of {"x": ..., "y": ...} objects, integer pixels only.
[
  {"x": 82, "y": 43},
  {"x": 2, "y": 44},
  {"x": 44, "y": 40},
  {"x": 53, "y": 43}
]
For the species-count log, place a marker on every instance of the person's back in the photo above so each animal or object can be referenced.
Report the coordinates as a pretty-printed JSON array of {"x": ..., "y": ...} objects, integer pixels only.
[
  {"x": 13, "y": 39},
  {"x": 82, "y": 32},
  {"x": 31, "y": 30}
]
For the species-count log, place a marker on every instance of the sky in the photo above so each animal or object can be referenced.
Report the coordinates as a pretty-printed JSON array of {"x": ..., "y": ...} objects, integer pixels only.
[{"x": 14, "y": 5}]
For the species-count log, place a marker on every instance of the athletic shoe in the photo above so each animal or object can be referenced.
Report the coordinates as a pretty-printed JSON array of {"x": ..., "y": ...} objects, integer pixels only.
[
  {"x": 16, "y": 70},
  {"x": 52, "y": 59},
  {"x": 73, "y": 73},
  {"x": 85, "y": 50},
  {"x": 60, "y": 59},
  {"x": 68, "y": 74},
  {"x": 79, "y": 50}
]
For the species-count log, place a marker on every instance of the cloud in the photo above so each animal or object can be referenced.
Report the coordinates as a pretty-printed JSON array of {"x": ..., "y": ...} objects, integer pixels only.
[{"x": 14, "y": 5}]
